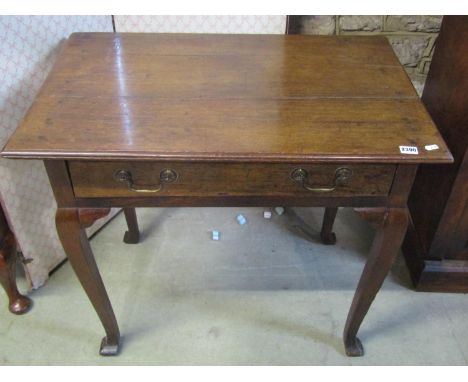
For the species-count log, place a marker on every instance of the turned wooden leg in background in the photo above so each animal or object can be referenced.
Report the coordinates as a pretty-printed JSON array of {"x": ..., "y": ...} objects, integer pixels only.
[
  {"x": 18, "y": 304},
  {"x": 385, "y": 247},
  {"x": 326, "y": 234},
  {"x": 132, "y": 236},
  {"x": 71, "y": 224}
]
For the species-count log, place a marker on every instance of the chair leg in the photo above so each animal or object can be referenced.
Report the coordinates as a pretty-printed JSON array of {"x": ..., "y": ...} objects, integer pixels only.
[
  {"x": 327, "y": 236},
  {"x": 18, "y": 304},
  {"x": 132, "y": 236}
]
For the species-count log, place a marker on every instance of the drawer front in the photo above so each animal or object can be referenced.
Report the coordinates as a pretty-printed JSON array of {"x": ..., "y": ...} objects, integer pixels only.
[{"x": 149, "y": 179}]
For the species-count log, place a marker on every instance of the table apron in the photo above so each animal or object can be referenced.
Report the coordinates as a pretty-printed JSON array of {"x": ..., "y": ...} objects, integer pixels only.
[
  {"x": 182, "y": 181},
  {"x": 233, "y": 201}
]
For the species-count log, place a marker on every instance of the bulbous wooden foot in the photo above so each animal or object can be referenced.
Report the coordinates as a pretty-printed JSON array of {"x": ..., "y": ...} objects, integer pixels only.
[
  {"x": 354, "y": 348},
  {"x": 109, "y": 348},
  {"x": 20, "y": 305},
  {"x": 17, "y": 303}
]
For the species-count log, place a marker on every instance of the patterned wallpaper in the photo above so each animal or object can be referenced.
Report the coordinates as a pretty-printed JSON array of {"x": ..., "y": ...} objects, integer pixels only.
[
  {"x": 201, "y": 24},
  {"x": 28, "y": 48}
]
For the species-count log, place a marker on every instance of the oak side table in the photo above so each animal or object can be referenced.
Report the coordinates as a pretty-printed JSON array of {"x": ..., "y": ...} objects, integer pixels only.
[{"x": 150, "y": 120}]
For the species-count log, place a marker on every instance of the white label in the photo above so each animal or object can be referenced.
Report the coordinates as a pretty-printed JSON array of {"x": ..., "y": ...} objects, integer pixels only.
[
  {"x": 431, "y": 147},
  {"x": 409, "y": 150}
]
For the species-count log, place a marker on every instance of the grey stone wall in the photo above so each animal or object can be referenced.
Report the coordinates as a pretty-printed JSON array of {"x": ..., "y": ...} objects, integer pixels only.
[{"x": 412, "y": 37}]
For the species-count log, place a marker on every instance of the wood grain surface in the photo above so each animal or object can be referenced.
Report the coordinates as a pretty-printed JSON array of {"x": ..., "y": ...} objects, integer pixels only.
[{"x": 227, "y": 97}]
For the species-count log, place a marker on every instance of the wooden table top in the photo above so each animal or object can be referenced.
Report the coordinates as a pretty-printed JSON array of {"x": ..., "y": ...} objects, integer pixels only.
[{"x": 227, "y": 97}]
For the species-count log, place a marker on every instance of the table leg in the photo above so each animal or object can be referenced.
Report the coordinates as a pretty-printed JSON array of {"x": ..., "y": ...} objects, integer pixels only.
[
  {"x": 71, "y": 224},
  {"x": 327, "y": 236},
  {"x": 132, "y": 236},
  {"x": 383, "y": 252},
  {"x": 18, "y": 304}
]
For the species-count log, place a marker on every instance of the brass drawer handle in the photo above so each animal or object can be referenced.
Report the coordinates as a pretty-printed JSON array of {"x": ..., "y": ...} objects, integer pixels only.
[
  {"x": 165, "y": 176},
  {"x": 342, "y": 177}
]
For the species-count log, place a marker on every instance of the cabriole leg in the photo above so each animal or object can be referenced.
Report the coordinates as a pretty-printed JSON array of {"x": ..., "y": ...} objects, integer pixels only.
[
  {"x": 71, "y": 224},
  {"x": 384, "y": 250}
]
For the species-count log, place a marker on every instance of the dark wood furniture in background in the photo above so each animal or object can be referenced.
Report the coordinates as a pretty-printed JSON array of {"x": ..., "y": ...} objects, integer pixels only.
[
  {"x": 17, "y": 303},
  {"x": 150, "y": 120},
  {"x": 436, "y": 246}
]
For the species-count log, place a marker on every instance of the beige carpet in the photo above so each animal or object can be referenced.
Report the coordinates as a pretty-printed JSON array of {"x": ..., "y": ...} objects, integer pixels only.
[{"x": 265, "y": 294}]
